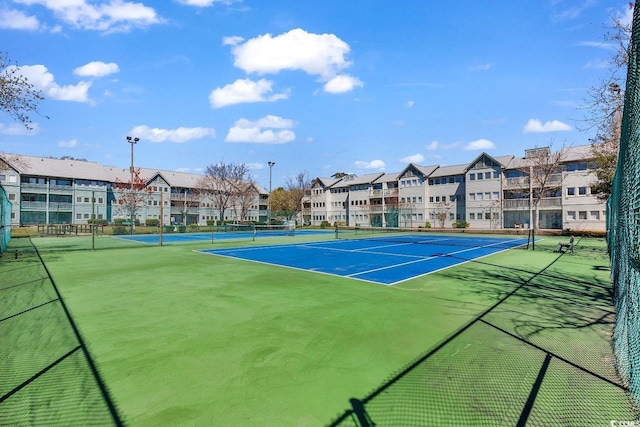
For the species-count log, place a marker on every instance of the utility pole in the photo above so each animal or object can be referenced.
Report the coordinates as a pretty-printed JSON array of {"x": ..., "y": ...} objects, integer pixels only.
[{"x": 132, "y": 141}]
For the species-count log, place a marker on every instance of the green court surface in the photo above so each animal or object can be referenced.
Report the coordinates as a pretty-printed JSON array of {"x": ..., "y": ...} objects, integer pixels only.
[{"x": 178, "y": 337}]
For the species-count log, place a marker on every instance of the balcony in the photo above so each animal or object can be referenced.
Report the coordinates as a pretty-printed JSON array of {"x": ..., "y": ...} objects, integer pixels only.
[
  {"x": 33, "y": 206},
  {"x": 521, "y": 204},
  {"x": 389, "y": 192}
]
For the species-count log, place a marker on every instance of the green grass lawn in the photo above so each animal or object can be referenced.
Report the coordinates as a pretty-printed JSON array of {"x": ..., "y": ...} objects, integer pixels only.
[{"x": 184, "y": 338}]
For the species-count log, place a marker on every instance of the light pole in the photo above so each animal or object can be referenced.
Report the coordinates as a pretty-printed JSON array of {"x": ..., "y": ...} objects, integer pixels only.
[
  {"x": 269, "y": 200},
  {"x": 132, "y": 141}
]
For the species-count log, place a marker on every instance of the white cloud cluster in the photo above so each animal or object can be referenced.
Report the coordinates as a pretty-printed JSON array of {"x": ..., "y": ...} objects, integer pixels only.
[
  {"x": 106, "y": 16},
  {"x": 267, "y": 130},
  {"x": 179, "y": 135},
  {"x": 480, "y": 144},
  {"x": 43, "y": 80},
  {"x": 320, "y": 55},
  {"x": 437, "y": 145},
  {"x": 244, "y": 91},
  {"x": 68, "y": 144},
  {"x": 414, "y": 158},
  {"x": 19, "y": 129},
  {"x": 11, "y": 19},
  {"x": 536, "y": 126},
  {"x": 97, "y": 69},
  {"x": 373, "y": 164}
]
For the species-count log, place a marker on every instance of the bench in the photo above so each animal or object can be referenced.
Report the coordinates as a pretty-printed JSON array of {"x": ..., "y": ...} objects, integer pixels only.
[{"x": 563, "y": 247}]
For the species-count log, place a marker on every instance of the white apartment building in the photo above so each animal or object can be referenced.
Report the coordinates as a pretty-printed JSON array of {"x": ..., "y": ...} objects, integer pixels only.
[
  {"x": 487, "y": 193},
  {"x": 55, "y": 191}
]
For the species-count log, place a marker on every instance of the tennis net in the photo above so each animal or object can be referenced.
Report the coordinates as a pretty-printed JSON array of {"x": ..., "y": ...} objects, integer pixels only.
[
  {"x": 253, "y": 229},
  {"x": 426, "y": 237}
]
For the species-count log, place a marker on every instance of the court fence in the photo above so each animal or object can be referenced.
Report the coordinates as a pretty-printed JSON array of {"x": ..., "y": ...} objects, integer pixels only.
[
  {"x": 5, "y": 220},
  {"x": 623, "y": 226}
]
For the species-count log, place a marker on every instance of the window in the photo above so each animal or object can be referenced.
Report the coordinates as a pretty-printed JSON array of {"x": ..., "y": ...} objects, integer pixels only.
[
  {"x": 571, "y": 191},
  {"x": 496, "y": 195},
  {"x": 582, "y": 191},
  {"x": 451, "y": 216},
  {"x": 571, "y": 215},
  {"x": 479, "y": 175},
  {"x": 86, "y": 200},
  {"x": 419, "y": 199},
  {"x": 496, "y": 174},
  {"x": 12, "y": 196},
  {"x": 487, "y": 175},
  {"x": 472, "y": 216},
  {"x": 452, "y": 198},
  {"x": 430, "y": 199},
  {"x": 79, "y": 199},
  {"x": 595, "y": 215},
  {"x": 487, "y": 196},
  {"x": 472, "y": 196},
  {"x": 487, "y": 215},
  {"x": 100, "y": 200},
  {"x": 78, "y": 216},
  {"x": 582, "y": 215},
  {"x": 479, "y": 196},
  {"x": 472, "y": 177},
  {"x": 415, "y": 199},
  {"x": 437, "y": 198}
]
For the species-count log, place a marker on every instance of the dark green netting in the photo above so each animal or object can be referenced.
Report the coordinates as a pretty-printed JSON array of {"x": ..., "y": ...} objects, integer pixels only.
[
  {"x": 5, "y": 220},
  {"x": 623, "y": 225}
]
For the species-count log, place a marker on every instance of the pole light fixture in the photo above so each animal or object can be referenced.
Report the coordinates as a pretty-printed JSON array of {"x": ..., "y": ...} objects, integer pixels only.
[
  {"x": 132, "y": 141},
  {"x": 271, "y": 164}
]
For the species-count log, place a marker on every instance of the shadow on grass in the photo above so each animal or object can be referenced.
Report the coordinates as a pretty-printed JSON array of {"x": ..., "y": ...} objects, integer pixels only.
[
  {"x": 541, "y": 355},
  {"x": 47, "y": 376}
]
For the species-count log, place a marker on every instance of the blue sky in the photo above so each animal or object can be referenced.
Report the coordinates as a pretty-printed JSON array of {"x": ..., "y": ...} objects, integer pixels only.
[{"x": 316, "y": 86}]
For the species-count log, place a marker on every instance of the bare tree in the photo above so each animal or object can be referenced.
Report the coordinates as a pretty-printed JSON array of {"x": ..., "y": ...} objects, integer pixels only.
[
  {"x": 543, "y": 167},
  {"x": 298, "y": 187},
  {"x": 245, "y": 198},
  {"x": 133, "y": 196},
  {"x": 18, "y": 98},
  {"x": 222, "y": 182},
  {"x": 441, "y": 212},
  {"x": 605, "y": 106}
]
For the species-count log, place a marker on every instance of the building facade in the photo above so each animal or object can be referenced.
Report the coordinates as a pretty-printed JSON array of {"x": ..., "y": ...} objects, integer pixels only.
[
  {"x": 488, "y": 193},
  {"x": 55, "y": 191}
]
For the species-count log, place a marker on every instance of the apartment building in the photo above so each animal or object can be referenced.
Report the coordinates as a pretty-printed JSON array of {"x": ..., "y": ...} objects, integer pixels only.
[
  {"x": 487, "y": 193},
  {"x": 63, "y": 191}
]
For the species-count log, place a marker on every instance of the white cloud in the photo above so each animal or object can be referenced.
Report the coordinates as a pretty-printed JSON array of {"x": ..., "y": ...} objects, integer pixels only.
[
  {"x": 43, "y": 80},
  {"x": 19, "y": 129},
  {"x": 179, "y": 135},
  {"x": 597, "y": 64},
  {"x": 97, "y": 69},
  {"x": 11, "y": 19},
  {"x": 68, "y": 144},
  {"x": 203, "y": 3},
  {"x": 322, "y": 55},
  {"x": 410, "y": 104},
  {"x": 480, "y": 144},
  {"x": 536, "y": 126},
  {"x": 244, "y": 91},
  {"x": 342, "y": 83},
  {"x": 261, "y": 131},
  {"x": 481, "y": 67},
  {"x": 437, "y": 145},
  {"x": 414, "y": 158},
  {"x": 112, "y": 15},
  {"x": 373, "y": 164},
  {"x": 316, "y": 54}
]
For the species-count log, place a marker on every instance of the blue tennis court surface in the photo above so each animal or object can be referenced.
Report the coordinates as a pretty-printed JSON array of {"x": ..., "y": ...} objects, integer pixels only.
[
  {"x": 386, "y": 261},
  {"x": 222, "y": 235}
]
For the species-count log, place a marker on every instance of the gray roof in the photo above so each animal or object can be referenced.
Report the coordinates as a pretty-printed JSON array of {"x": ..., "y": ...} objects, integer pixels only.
[
  {"x": 387, "y": 177},
  {"x": 78, "y": 169},
  {"x": 364, "y": 179},
  {"x": 449, "y": 171}
]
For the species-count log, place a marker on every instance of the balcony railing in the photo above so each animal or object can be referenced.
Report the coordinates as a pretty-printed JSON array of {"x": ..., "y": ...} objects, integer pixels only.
[
  {"x": 551, "y": 202},
  {"x": 388, "y": 192}
]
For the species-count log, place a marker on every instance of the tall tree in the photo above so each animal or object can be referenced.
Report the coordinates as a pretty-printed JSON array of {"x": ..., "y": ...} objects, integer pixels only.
[
  {"x": 18, "y": 97},
  {"x": 223, "y": 182},
  {"x": 543, "y": 167},
  {"x": 133, "y": 196},
  {"x": 298, "y": 187},
  {"x": 605, "y": 106}
]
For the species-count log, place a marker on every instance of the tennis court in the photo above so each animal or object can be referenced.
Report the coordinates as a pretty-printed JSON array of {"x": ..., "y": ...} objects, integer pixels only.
[{"x": 384, "y": 259}]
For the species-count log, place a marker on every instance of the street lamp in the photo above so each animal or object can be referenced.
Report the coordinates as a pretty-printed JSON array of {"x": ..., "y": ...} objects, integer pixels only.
[
  {"x": 132, "y": 141},
  {"x": 269, "y": 200}
]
